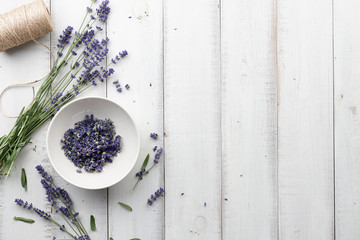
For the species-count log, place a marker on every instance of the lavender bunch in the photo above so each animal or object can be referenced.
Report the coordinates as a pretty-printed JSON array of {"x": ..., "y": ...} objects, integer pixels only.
[
  {"x": 62, "y": 203},
  {"x": 79, "y": 58},
  {"x": 140, "y": 175}
]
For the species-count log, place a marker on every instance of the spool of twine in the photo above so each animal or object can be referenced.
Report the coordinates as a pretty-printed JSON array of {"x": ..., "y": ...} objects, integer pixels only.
[
  {"x": 23, "y": 24},
  {"x": 19, "y": 26}
]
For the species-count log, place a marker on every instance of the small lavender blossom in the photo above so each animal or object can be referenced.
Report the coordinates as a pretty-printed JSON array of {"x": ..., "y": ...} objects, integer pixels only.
[
  {"x": 103, "y": 11},
  {"x": 119, "y": 56},
  {"x": 159, "y": 193},
  {"x": 28, "y": 206},
  {"x": 154, "y": 135},
  {"x": 127, "y": 86},
  {"x": 64, "y": 39},
  {"x": 89, "y": 9},
  {"x": 158, "y": 155},
  {"x": 154, "y": 149}
]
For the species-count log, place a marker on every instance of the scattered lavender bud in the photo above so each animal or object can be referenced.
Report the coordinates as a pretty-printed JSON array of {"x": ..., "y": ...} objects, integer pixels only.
[
  {"x": 158, "y": 155},
  {"x": 205, "y": 204},
  {"x": 154, "y": 135},
  {"x": 127, "y": 86},
  {"x": 154, "y": 149}
]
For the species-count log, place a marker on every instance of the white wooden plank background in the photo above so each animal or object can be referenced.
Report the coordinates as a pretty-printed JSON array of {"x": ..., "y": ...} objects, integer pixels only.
[
  {"x": 305, "y": 120},
  {"x": 259, "y": 102}
]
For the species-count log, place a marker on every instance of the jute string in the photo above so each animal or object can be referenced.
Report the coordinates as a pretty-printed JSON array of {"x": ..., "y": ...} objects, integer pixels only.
[{"x": 19, "y": 26}]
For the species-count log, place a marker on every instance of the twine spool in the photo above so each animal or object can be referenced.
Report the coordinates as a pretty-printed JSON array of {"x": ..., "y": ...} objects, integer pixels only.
[{"x": 23, "y": 24}]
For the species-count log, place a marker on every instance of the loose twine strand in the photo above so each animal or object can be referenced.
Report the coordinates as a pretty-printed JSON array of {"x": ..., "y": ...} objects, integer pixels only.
[{"x": 19, "y": 26}]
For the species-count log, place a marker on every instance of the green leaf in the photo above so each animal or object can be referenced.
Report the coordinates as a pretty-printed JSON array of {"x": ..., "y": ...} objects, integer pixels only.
[
  {"x": 111, "y": 238},
  {"x": 125, "y": 206},
  {"x": 145, "y": 163},
  {"x": 27, "y": 220},
  {"x": 23, "y": 179},
  {"x": 92, "y": 223},
  {"x": 135, "y": 239}
]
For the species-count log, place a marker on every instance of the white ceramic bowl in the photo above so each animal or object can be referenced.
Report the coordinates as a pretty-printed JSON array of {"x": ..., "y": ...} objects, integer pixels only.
[{"x": 124, "y": 126}]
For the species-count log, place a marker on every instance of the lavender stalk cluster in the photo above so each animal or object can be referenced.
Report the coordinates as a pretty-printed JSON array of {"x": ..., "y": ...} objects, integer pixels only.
[
  {"x": 91, "y": 143},
  {"x": 84, "y": 54},
  {"x": 59, "y": 200}
]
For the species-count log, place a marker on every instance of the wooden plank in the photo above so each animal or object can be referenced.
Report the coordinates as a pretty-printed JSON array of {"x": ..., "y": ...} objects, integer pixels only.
[
  {"x": 85, "y": 202},
  {"x": 347, "y": 100},
  {"x": 18, "y": 65},
  {"x": 192, "y": 119},
  {"x": 137, "y": 27},
  {"x": 305, "y": 120},
  {"x": 249, "y": 119}
]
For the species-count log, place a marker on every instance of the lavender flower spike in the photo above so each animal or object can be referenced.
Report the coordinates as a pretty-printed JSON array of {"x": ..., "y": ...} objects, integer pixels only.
[
  {"x": 28, "y": 206},
  {"x": 159, "y": 193}
]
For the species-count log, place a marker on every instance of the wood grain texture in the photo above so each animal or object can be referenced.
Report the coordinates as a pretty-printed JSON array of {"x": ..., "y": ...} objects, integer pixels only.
[
  {"x": 137, "y": 27},
  {"x": 347, "y": 131},
  {"x": 305, "y": 120},
  {"x": 249, "y": 119},
  {"x": 192, "y": 119}
]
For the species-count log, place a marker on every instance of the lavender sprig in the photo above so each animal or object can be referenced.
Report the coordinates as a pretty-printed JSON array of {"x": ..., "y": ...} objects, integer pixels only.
[
  {"x": 140, "y": 175},
  {"x": 41, "y": 213},
  {"x": 62, "y": 203},
  {"x": 159, "y": 193}
]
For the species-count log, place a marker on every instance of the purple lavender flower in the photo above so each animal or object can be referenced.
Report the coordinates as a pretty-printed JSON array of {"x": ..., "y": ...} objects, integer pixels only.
[
  {"x": 64, "y": 211},
  {"x": 159, "y": 193},
  {"x": 89, "y": 9},
  {"x": 64, "y": 39},
  {"x": 127, "y": 86},
  {"x": 154, "y": 149},
  {"x": 158, "y": 155},
  {"x": 103, "y": 11},
  {"x": 44, "y": 174},
  {"x": 91, "y": 143},
  {"x": 154, "y": 135},
  {"x": 41, "y": 213}
]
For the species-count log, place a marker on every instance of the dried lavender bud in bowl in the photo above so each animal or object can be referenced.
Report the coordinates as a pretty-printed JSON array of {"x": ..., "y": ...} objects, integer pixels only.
[
  {"x": 91, "y": 143},
  {"x": 103, "y": 109}
]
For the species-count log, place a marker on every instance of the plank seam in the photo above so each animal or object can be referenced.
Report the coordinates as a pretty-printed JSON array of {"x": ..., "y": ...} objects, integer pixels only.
[
  {"x": 333, "y": 108},
  {"x": 275, "y": 7},
  {"x": 163, "y": 111},
  {"x": 220, "y": 124}
]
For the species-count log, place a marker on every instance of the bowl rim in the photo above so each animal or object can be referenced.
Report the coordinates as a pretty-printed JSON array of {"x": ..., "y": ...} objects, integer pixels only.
[{"x": 81, "y": 99}]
